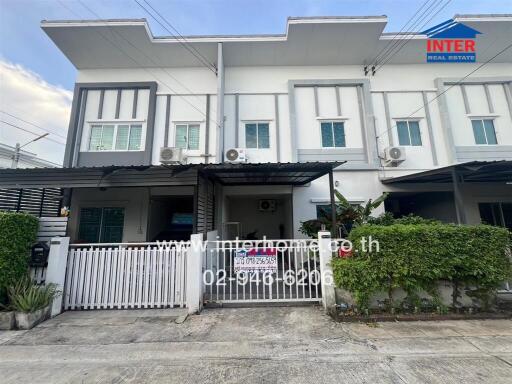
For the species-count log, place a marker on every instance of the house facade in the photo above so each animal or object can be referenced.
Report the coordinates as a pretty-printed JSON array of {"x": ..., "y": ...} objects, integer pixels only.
[{"x": 308, "y": 96}]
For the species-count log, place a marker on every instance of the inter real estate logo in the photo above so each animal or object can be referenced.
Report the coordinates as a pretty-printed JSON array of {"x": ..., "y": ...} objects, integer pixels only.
[{"x": 451, "y": 42}]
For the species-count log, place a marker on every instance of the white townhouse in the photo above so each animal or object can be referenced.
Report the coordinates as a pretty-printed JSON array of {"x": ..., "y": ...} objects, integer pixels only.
[{"x": 249, "y": 135}]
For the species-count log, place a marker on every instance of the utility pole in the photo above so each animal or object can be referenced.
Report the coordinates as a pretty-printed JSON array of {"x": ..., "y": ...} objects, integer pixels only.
[{"x": 17, "y": 150}]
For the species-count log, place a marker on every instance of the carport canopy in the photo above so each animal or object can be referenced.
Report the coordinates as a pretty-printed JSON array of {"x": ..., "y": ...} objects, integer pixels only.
[
  {"x": 227, "y": 174},
  {"x": 470, "y": 172},
  {"x": 166, "y": 175}
]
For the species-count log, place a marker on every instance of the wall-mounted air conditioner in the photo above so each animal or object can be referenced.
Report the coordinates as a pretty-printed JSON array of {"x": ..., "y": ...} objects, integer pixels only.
[
  {"x": 394, "y": 156},
  {"x": 235, "y": 155},
  {"x": 170, "y": 155},
  {"x": 267, "y": 205}
]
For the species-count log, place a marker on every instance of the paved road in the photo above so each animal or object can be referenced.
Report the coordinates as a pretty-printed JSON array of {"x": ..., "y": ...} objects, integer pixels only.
[{"x": 254, "y": 345}]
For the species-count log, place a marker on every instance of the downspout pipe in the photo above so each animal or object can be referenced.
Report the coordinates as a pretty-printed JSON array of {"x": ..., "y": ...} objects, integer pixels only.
[{"x": 220, "y": 104}]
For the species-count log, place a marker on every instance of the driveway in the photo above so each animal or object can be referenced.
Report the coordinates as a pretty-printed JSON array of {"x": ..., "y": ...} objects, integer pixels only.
[{"x": 254, "y": 345}]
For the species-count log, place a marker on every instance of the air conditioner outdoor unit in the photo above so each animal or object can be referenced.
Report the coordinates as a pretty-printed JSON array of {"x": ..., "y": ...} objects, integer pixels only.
[
  {"x": 267, "y": 205},
  {"x": 170, "y": 155},
  {"x": 394, "y": 156},
  {"x": 236, "y": 155}
]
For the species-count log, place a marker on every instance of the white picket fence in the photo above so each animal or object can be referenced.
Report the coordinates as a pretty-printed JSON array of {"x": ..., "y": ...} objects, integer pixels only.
[{"x": 122, "y": 276}]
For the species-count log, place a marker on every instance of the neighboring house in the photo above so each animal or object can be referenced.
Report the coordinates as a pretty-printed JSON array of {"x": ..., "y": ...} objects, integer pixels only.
[
  {"x": 26, "y": 160},
  {"x": 283, "y": 100}
]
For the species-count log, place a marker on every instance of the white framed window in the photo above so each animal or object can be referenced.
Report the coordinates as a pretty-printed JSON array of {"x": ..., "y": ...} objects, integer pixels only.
[
  {"x": 333, "y": 134},
  {"x": 257, "y": 135},
  {"x": 409, "y": 133},
  {"x": 116, "y": 137},
  {"x": 484, "y": 132},
  {"x": 187, "y": 135}
]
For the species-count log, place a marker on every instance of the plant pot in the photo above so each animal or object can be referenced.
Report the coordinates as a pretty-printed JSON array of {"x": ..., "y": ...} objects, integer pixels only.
[
  {"x": 29, "y": 320},
  {"x": 7, "y": 320}
]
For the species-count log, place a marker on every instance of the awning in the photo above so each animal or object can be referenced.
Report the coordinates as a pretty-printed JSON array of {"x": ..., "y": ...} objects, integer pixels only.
[
  {"x": 470, "y": 172},
  {"x": 172, "y": 175},
  {"x": 268, "y": 173}
]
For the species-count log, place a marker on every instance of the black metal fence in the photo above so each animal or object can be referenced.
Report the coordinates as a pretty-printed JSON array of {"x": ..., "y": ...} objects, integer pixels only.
[{"x": 41, "y": 202}]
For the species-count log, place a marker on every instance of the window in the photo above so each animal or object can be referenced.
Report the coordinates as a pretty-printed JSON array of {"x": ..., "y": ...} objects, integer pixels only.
[
  {"x": 187, "y": 136},
  {"x": 323, "y": 210},
  {"x": 484, "y": 132},
  {"x": 409, "y": 133},
  {"x": 111, "y": 137},
  {"x": 101, "y": 225},
  {"x": 257, "y": 135},
  {"x": 333, "y": 134}
]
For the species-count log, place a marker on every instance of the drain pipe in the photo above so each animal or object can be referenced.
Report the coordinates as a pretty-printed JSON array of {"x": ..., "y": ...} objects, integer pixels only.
[{"x": 220, "y": 104}]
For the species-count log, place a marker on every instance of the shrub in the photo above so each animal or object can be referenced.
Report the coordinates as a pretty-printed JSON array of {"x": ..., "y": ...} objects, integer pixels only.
[
  {"x": 25, "y": 296},
  {"x": 388, "y": 219},
  {"x": 18, "y": 232},
  {"x": 416, "y": 257}
]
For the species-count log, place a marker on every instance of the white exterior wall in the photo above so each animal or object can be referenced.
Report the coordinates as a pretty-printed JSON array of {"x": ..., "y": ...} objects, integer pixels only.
[{"x": 256, "y": 89}]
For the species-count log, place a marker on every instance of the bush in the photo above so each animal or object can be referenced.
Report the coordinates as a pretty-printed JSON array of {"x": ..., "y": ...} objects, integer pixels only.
[
  {"x": 416, "y": 257},
  {"x": 18, "y": 232},
  {"x": 388, "y": 219}
]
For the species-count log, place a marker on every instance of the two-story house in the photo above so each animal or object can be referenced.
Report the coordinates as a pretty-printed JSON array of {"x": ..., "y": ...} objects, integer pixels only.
[{"x": 253, "y": 126}]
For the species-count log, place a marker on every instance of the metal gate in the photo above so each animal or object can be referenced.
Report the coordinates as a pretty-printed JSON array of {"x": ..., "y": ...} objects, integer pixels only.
[
  {"x": 261, "y": 271},
  {"x": 147, "y": 275}
]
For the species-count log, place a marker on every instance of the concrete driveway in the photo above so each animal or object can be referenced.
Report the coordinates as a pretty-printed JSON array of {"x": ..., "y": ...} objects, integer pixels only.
[{"x": 254, "y": 345}]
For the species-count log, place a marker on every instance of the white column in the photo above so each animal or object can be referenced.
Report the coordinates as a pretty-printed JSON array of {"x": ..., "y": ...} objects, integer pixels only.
[
  {"x": 56, "y": 271},
  {"x": 325, "y": 251},
  {"x": 194, "y": 274}
]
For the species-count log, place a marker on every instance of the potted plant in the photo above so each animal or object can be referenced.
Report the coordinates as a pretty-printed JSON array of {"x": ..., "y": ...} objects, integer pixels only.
[
  {"x": 7, "y": 320},
  {"x": 31, "y": 302}
]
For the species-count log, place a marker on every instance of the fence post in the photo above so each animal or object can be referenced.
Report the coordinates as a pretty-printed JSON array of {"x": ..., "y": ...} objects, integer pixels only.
[
  {"x": 325, "y": 251},
  {"x": 194, "y": 274},
  {"x": 211, "y": 244},
  {"x": 56, "y": 271}
]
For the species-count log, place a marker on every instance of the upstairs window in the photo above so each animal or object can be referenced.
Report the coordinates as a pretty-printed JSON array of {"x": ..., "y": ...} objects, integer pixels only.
[
  {"x": 115, "y": 137},
  {"x": 484, "y": 132},
  {"x": 333, "y": 134},
  {"x": 409, "y": 133},
  {"x": 187, "y": 136},
  {"x": 257, "y": 135}
]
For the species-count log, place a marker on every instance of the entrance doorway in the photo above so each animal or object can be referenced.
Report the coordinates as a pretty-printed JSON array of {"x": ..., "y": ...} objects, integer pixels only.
[
  {"x": 171, "y": 218},
  {"x": 257, "y": 216}
]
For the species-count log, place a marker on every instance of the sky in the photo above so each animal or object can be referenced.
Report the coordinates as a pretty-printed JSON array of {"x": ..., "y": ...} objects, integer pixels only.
[{"x": 36, "y": 80}]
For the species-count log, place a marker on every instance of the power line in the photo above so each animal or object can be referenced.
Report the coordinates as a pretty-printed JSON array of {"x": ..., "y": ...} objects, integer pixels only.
[
  {"x": 201, "y": 58},
  {"x": 409, "y": 39},
  {"x": 137, "y": 63},
  {"x": 31, "y": 132},
  {"x": 387, "y": 46},
  {"x": 411, "y": 28},
  {"x": 33, "y": 124},
  {"x": 450, "y": 87},
  {"x": 142, "y": 52},
  {"x": 187, "y": 44}
]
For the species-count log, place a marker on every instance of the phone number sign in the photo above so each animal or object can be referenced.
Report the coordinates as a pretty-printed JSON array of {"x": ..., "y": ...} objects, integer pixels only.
[{"x": 255, "y": 260}]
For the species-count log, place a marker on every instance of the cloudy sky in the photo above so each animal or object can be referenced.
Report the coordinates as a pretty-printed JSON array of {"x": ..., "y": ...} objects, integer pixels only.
[{"x": 36, "y": 79}]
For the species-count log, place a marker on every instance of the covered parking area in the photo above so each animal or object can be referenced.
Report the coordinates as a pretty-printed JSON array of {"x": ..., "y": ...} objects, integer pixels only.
[
  {"x": 465, "y": 193},
  {"x": 135, "y": 203}
]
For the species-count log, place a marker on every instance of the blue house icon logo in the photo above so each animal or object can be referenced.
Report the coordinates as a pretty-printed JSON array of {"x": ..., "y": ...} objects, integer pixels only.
[{"x": 451, "y": 42}]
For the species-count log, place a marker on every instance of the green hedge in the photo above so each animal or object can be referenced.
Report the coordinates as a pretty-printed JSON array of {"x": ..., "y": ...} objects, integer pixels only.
[
  {"x": 416, "y": 257},
  {"x": 18, "y": 232}
]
